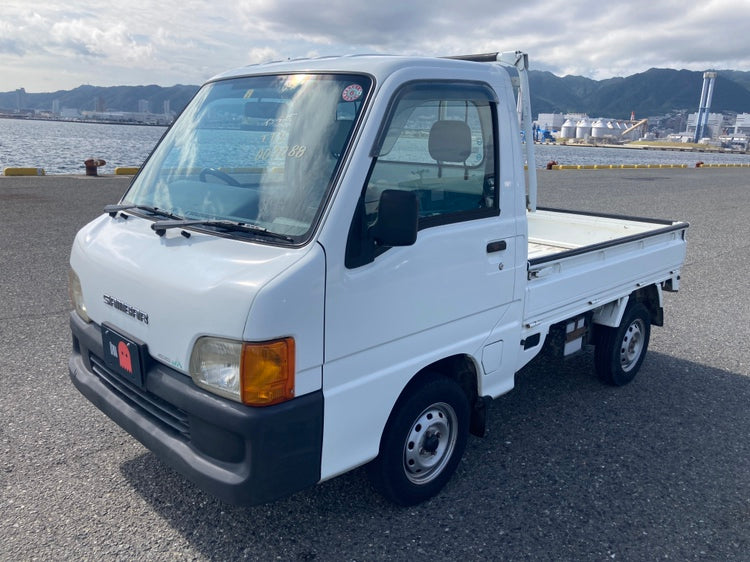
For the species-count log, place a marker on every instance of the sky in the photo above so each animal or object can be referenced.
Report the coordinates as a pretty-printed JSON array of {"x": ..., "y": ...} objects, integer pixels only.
[{"x": 48, "y": 46}]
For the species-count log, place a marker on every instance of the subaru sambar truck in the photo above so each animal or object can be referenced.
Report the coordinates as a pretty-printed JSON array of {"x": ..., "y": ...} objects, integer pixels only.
[{"x": 340, "y": 262}]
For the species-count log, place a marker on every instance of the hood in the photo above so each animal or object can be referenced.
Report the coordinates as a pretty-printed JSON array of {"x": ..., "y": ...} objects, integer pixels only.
[{"x": 153, "y": 288}]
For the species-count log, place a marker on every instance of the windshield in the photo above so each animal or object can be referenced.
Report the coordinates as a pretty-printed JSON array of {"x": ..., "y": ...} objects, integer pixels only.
[{"x": 258, "y": 150}]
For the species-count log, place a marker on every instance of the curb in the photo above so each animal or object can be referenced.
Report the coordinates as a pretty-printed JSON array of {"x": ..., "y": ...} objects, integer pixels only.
[
  {"x": 23, "y": 172},
  {"x": 126, "y": 170},
  {"x": 639, "y": 166}
]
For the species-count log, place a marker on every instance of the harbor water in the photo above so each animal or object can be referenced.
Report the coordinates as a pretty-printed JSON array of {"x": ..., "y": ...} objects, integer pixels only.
[{"x": 60, "y": 147}]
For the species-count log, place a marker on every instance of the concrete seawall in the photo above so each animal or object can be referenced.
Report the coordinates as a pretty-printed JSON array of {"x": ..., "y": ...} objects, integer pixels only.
[{"x": 610, "y": 183}]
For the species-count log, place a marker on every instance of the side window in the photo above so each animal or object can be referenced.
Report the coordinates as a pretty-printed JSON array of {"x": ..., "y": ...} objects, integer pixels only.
[{"x": 439, "y": 142}]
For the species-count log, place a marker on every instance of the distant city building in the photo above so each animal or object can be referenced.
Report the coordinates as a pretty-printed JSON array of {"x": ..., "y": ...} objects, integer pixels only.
[
  {"x": 70, "y": 113},
  {"x": 109, "y": 116},
  {"x": 142, "y": 106},
  {"x": 20, "y": 99},
  {"x": 550, "y": 121},
  {"x": 713, "y": 125},
  {"x": 742, "y": 123},
  {"x": 737, "y": 141},
  {"x": 124, "y": 117},
  {"x": 99, "y": 104},
  {"x": 167, "y": 110},
  {"x": 55, "y": 107}
]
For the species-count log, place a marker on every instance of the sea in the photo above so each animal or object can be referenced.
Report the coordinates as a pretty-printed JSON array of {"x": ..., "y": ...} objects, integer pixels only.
[{"x": 61, "y": 147}]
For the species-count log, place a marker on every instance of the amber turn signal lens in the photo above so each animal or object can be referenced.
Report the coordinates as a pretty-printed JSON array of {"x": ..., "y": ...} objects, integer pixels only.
[{"x": 267, "y": 372}]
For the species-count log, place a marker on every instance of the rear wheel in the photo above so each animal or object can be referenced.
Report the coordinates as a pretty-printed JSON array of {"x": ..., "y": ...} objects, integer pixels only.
[
  {"x": 620, "y": 351},
  {"x": 423, "y": 442}
]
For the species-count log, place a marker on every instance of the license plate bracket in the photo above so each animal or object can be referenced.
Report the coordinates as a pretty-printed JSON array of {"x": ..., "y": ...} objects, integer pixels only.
[{"x": 124, "y": 355}]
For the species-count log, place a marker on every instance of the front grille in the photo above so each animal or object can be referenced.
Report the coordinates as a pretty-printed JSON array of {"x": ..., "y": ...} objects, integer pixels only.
[{"x": 156, "y": 408}]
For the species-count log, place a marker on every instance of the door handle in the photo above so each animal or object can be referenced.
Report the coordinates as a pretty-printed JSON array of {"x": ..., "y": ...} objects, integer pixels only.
[{"x": 497, "y": 246}]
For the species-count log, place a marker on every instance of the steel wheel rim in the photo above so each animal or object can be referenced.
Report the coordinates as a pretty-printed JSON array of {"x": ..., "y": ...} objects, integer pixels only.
[
  {"x": 430, "y": 443},
  {"x": 632, "y": 344}
]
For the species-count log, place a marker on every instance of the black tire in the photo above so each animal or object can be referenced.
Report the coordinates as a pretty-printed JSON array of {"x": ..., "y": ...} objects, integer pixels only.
[
  {"x": 422, "y": 443},
  {"x": 619, "y": 352}
]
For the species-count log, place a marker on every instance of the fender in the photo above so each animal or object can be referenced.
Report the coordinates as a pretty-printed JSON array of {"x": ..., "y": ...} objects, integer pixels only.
[{"x": 611, "y": 314}]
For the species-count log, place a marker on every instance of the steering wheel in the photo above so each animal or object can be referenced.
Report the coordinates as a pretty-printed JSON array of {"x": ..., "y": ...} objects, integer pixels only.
[{"x": 226, "y": 178}]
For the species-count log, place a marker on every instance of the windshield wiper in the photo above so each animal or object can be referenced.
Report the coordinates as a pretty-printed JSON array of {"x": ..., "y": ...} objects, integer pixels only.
[
  {"x": 160, "y": 227},
  {"x": 114, "y": 209}
]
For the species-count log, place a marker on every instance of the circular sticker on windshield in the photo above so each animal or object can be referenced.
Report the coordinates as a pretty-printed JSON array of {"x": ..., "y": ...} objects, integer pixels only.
[{"x": 352, "y": 92}]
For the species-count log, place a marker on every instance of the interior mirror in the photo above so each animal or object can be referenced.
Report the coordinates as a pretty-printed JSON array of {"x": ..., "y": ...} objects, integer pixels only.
[{"x": 398, "y": 216}]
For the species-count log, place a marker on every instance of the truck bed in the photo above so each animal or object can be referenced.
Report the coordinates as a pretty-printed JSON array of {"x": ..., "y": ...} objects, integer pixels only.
[
  {"x": 581, "y": 261},
  {"x": 554, "y": 231}
]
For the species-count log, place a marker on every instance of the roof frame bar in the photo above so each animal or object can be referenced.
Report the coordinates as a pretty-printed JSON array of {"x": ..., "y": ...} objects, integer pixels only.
[{"x": 520, "y": 61}]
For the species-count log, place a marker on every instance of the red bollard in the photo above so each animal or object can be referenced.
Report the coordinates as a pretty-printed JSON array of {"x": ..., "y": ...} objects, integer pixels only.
[{"x": 92, "y": 164}]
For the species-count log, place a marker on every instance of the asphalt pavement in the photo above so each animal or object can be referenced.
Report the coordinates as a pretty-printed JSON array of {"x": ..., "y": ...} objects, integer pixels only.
[{"x": 571, "y": 469}]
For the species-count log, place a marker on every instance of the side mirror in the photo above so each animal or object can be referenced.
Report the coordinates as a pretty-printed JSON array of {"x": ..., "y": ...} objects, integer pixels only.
[{"x": 398, "y": 216}]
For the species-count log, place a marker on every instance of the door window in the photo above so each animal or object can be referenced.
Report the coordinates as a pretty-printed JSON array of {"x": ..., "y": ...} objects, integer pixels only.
[{"x": 439, "y": 142}]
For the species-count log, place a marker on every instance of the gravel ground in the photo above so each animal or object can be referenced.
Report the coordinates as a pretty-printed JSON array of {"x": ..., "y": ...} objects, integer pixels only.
[{"x": 570, "y": 470}]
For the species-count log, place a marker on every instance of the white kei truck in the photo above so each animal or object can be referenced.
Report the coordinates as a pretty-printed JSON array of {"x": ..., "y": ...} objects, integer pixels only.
[{"x": 340, "y": 262}]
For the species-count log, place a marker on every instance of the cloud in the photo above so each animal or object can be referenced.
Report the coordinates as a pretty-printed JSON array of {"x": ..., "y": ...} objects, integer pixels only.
[
  {"x": 187, "y": 41},
  {"x": 571, "y": 36},
  {"x": 11, "y": 47},
  {"x": 259, "y": 55}
]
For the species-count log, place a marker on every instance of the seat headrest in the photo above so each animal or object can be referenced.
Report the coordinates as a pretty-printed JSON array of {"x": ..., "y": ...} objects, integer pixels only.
[{"x": 450, "y": 141}]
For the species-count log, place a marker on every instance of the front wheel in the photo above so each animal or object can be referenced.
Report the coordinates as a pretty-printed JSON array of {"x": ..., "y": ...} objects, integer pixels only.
[
  {"x": 423, "y": 442},
  {"x": 619, "y": 352}
]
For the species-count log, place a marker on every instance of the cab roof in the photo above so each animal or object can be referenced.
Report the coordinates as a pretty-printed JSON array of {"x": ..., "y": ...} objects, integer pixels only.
[{"x": 375, "y": 65}]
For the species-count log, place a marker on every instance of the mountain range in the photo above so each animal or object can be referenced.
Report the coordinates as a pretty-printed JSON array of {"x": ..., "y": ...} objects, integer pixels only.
[
  {"x": 113, "y": 98},
  {"x": 657, "y": 91}
]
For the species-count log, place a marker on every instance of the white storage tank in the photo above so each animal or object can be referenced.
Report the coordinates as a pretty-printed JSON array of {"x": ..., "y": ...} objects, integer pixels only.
[
  {"x": 568, "y": 130},
  {"x": 583, "y": 128},
  {"x": 599, "y": 129}
]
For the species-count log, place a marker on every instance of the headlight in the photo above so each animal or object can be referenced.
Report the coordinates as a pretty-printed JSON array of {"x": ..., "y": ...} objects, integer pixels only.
[
  {"x": 76, "y": 295},
  {"x": 215, "y": 366},
  {"x": 257, "y": 374}
]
